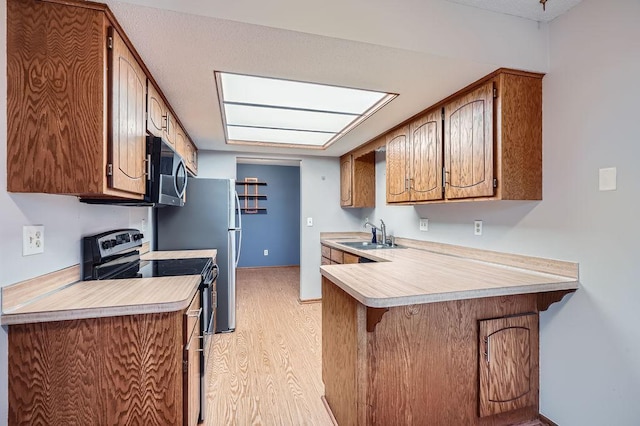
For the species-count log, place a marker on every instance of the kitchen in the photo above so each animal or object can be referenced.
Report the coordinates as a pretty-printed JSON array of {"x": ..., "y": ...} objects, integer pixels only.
[{"x": 589, "y": 343}]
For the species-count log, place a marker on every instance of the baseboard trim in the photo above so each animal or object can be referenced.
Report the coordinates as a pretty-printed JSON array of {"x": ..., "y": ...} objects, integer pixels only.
[
  {"x": 308, "y": 301},
  {"x": 326, "y": 405},
  {"x": 547, "y": 421}
]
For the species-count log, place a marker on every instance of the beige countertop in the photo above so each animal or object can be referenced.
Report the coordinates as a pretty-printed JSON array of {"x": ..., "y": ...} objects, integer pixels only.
[
  {"x": 73, "y": 299},
  {"x": 179, "y": 254},
  {"x": 431, "y": 272}
]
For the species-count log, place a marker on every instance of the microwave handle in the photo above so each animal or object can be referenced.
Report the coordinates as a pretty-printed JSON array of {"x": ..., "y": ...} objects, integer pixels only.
[
  {"x": 186, "y": 179},
  {"x": 148, "y": 167}
]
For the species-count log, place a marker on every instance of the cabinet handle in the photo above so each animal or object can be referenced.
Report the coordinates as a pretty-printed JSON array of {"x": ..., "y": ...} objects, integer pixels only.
[
  {"x": 148, "y": 161},
  {"x": 186, "y": 348},
  {"x": 194, "y": 313},
  {"x": 406, "y": 184},
  {"x": 486, "y": 354},
  {"x": 166, "y": 122}
]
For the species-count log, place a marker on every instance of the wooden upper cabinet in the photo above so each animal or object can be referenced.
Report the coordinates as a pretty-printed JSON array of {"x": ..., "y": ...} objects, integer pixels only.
[
  {"x": 191, "y": 156},
  {"x": 508, "y": 364},
  {"x": 358, "y": 180},
  {"x": 156, "y": 111},
  {"x": 468, "y": 144},
  {"x": 128, "y": 136},
  {"x": 425, "y": 177},
  {"x": 75, "y": 107},
  {"x": 398, "y": 166},
  {"x": 414, "y": 160},
  {"x": 346, "y": 171}
]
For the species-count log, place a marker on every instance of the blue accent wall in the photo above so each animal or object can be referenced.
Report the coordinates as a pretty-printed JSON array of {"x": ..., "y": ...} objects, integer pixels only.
[{"x": 277, "y": 230}]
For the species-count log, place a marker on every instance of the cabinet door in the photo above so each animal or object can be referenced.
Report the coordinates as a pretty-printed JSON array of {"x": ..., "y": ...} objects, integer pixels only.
[
  {"x": 191, "y": 156},
  {"x": 156, "y": 111},
  {"x": 397, "y": 165},
  {"x": 508, "y": 364},
  {"x": 128, "y": 85},
  {"x": 346, "y": 182},
  {"x": 468, "y": 144},
  {"x": 181, "y": 143},
  {"x": 191, "y": 362},
  {"x": 425, "y": 177}
]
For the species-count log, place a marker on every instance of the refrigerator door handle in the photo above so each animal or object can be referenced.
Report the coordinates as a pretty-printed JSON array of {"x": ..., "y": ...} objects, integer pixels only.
[
  {"x": 239, "y": 246},
  {"x": 238, "y": 210}
]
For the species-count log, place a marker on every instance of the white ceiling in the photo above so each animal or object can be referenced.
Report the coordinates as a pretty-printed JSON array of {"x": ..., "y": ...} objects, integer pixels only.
[
  {"x": 529, "y": 9},
  {"x": 424, "y": 50}
]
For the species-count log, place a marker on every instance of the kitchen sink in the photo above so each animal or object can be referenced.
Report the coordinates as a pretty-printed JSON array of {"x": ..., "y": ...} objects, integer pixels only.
[{"x": 366, "y": 245}]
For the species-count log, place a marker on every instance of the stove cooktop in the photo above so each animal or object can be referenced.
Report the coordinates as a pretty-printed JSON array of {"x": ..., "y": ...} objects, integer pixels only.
[{"x": 163, "y": 268}]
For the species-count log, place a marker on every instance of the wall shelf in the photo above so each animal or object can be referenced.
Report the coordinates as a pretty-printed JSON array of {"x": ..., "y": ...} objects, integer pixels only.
[{"x": 251, "y": 196}]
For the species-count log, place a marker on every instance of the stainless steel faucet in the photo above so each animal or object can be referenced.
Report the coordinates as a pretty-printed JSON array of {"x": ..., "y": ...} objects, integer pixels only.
[{"x": 382, "y": 229}]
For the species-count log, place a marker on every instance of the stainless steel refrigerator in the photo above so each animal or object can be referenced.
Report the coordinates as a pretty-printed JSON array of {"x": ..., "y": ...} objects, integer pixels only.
[{"x": 209, "y": 219}]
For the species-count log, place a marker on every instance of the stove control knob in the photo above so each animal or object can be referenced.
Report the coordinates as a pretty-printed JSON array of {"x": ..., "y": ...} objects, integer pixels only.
[
  {"x": 114, "y": 243},
  {"x": 137, "y": 237},
  {"x": 106, "y": 245}
]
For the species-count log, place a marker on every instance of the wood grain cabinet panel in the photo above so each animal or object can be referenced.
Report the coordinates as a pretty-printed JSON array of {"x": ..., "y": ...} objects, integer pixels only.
[
  {"x": 418, "y": 364},
  {"x": 67, "y": 132},
  {"x": 358, "y": 180},
  {"x": 508, "y": 364},
  {"x": 346, "y": 184},
  {"x": 134, "y": 369},
  {"x": 128, "y": 136},
  {"x": 414, "y": 160},
  {"x": 468, "y": 144},
  {"x": 191, "y": 362},
  {"x": 398, "y": 155},
  {"x": 156, "y": 111},
  {"x": 191, "y": 156}
]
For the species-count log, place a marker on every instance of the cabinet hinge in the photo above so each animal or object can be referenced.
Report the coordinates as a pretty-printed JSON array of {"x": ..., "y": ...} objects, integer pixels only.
[
  {"x": 442, "y": 114},
  {"x": 109, "y": 169},
  {"x": 185, "y": 366},
  {"x": 444, "y": 178},
  {"x": 495, "y": 182},
  {"x": 495, "y": 92},
  {"x": 109, "y": 42}
]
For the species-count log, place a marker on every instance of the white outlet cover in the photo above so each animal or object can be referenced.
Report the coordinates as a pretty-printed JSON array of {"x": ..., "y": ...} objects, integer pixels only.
[
  {"x": 477, "y": 227},
  {"x": 424, "y": 224},
  {"x": 309, "y": 221},
  {"x": 32, "y": 240},
  {"x": 608, "y": 179},
  {"x": 266, "y": 252}
]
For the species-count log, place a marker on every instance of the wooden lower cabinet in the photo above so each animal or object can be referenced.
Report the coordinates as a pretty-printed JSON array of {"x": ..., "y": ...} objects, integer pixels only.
[
  {"x": 334, "y": 256},
  {"x": 426, "y": 364},
  {"x": 102, "y": 371}
]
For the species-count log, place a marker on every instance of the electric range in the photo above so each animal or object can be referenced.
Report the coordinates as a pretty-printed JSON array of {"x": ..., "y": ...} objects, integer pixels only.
[{"x": 115, "y": 255}]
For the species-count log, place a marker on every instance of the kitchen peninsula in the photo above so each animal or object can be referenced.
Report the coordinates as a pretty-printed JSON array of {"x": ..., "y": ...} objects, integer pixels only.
[{"x": 433, "y": 333}]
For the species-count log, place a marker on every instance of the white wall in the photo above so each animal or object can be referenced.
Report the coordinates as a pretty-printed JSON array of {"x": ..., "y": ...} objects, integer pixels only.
[{"x": 589, "y": 342}]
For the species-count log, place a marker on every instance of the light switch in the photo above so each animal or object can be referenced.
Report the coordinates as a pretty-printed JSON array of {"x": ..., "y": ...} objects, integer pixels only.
[
  {"x": 309, "y": 221},
  {"x": 608, "y": 179}
]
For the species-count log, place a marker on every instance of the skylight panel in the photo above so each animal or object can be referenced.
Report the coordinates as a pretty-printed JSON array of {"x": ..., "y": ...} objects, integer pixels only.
[{"x": 284, "y": 112}]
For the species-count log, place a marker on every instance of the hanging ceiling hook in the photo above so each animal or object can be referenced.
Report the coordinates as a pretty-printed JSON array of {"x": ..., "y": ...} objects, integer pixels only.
[{"x": 544, "y": 4}]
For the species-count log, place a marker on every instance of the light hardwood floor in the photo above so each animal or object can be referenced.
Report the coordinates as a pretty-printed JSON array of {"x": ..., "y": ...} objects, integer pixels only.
[{"x": 268, "y": 372}]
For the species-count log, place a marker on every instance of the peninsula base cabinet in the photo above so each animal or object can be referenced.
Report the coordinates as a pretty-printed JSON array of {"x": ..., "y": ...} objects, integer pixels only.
[
  {"x": 464, "y": 362},
  {"x": 135, "y": 369}
]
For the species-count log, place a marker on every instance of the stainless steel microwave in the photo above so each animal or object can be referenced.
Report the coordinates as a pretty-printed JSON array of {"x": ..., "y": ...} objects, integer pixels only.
[
  {"x": 168, "y": 181},
  {"x": 166, "y": 178}
]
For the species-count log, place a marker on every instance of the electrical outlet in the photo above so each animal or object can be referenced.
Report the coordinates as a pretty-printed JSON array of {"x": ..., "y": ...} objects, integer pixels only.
[
  {"x": 309, "y": 221},
  {"x": 266, "y": 252},
  {"x": 477, "y": 227},
  {"x": 424, "y": 224},
  {"x": 32, "y": 240}
]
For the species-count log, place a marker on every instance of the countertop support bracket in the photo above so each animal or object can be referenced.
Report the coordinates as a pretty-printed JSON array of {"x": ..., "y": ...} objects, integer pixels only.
[
  {"x": 374, "y": 316},
  {"x": 547, "y": 299}
]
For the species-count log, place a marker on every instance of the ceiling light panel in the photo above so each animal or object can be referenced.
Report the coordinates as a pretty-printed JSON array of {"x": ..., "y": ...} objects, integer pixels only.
[
  {"x": 253, "y": 116},
  {"x": 293, "y": 94},
  {"x": 284, "y": 112},
  {"x": 277, "y": 136}
]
